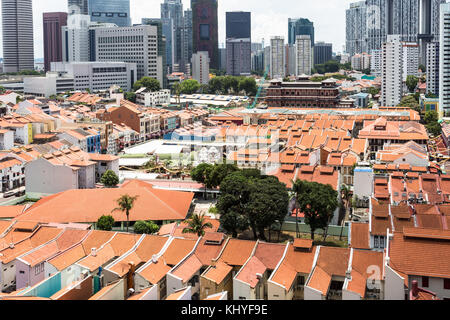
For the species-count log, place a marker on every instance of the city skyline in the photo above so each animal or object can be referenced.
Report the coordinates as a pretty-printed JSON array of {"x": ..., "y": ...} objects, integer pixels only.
[{"x": 268, "y": 18}]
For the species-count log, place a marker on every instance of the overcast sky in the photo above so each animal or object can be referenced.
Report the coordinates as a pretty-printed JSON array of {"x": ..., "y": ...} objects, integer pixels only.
[{"x": 269, "y": 17}]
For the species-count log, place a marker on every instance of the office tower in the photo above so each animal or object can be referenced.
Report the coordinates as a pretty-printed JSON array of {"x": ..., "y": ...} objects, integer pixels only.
[
  {"x": 239, "y": 57},
  {"x": 107, "y": 11},
  {"x": 162, "y": 43},
  {"x": 290, "y": 59},
  {"x": 239, "y": 25},
  {"x": 205, "y": 29},
  {"x": 323, "y": 52},
  {"x": 200, "y": 67},
  {"x": 404, "y": 19},
  {"x": 166, "y": 26},
  {"x": 303, "y": 55},
  {"x": 429, "y": 25},
  {"x": 18, "y": 47},
  {"x": 433, "y": 67},
  {"x": 75, "y": 38},
  {"x": 267, "y": 59},
  {"x": 257, "y": 47},
  {"x": 377, "y": 23},
  {"x": 138, "y": 44},
  {"x": 258, "y": 61},
  {"x": 392, "y": 71},
  {"x": 78, "y": 7},
  {"x": 277, "y": 58},
  {"x": 53, "y": 23},
  {"x": 356, "y": 28},
  {"x": 223, "y": 58},
  {"x": 299, "y": 27},
  {"x": 239, "y": 42},
  {"x": 410, "y": 59},
  {"x": 375, "y": 62},
  {"x": 187, "y": 35},
  {"x": 444, "y": 60},
  {"x": 172, "y": 10}
]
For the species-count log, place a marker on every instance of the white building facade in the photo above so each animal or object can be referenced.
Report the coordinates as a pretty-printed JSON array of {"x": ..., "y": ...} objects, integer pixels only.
[
  {"x": 303, "y": 55},
  {"x": 200, "y": 67},
  {"x": 277, "y": 58},
  {"x": 392, "y": 72}
]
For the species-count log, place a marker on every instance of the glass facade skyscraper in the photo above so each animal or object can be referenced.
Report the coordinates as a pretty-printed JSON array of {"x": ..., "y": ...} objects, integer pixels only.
[
  {"x": 205, "y": 29},
  {"x": 300, "y": 27},
  {"x": 110, "y": 11},
  {"x": 239, "y": 25}
]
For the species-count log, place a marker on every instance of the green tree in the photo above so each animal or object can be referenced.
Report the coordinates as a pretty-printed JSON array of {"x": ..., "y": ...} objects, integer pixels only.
[
  {"x": 216, "y": 85},
  {"x": 411, "y": 82},
  {"x": 248, "y": 85},
  {"x": 130, "y": 96},
  {"x": 202, "y": 174},
  {"x": 373, "y": 91},
  {"x": 2, "y": 90},
  {"x": 145, "y": 227},
  {"x": 189, "y": 86},
  {"x": 220, "y": 172},
  {"x": 151, "y": 84},
  {"x": 366, "y": 71},
  {"x": 410, "y": 102},
  {"x": 422, "y": 68},
  {"x": 230, "y": 84},
  {"x": 125, "y": 204},
  {"x": 197, "y": 225},
  {"x": 110, "y": 179},
  {"x": 105, "y": 223},
  {"x": 431, "y": 95},
  {"x": 318, "y": 202},
  {"x": 432, "y": 124}
]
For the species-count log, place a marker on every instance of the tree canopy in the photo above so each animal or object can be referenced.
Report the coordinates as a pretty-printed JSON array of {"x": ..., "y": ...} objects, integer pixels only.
[
  {"x": 410, "y": 102},
  {"x": 231, "y": 84},
  {"x": 189, "y": 86},
  {"x": 125, "y": 204},
  {"x": 411, "y": 82},
  {"x": 197, "y": 225},
  {"x": 432, "y": 124},
  {"x": 145, "y": 227},
  {"x": 110, "y": 179},
  {"x": 105, "y": 223},
  {"x": 318, "y": 203},
  {"x": 251, "y": 200},
  {"x": 150, "y": 83}
]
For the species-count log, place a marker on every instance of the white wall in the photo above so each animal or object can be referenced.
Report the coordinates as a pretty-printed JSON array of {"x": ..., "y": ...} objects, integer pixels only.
[
  {"x": 43, "y": 177},
  {"x": 394, "y": 285},
  {"x": 173, "y": 284},
  {"x": 115, "y": 293},
  {"x": 151, "y": 294},
  {"x": 241, "y": 289},
  {"x": 8, "y": 274},
  {"x": 348, "y": 295},
  {"x": 276, "y": 292},
  {"x": 312, "y": 294}
]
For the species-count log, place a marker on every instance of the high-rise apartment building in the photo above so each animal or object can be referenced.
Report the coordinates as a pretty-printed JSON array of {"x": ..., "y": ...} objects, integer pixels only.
[
  {"x": 410, "y": 59},
  {"x": 78, "y": 7},
  {"x": 444, "y": 60},
  {"x": 18, "y": 46},
  {"x": 187, "y": 34},
  {"x": 205, "y": 31},
  {"x": 298, "y": 27},
  {"x": 277, "y": 58},
  {"x": 303, "y": 55},
  {"x": 323, "y": 52},
  {"x": 53, "y": 23},
  {"x": 107, "y": 11},
  {"x": 200, "y": 67},
  {"x": 356, "y": 28},
  {"x": 433, "y": 67},
  {"x": 392, "y": 71},
  {"x": 239, "y": 55},
  {"x": 290, "y": 59},
  {"x": 361, "y": 61},
  {"x": 375, "y": 62},
  {"x": 138, "y": 44}
]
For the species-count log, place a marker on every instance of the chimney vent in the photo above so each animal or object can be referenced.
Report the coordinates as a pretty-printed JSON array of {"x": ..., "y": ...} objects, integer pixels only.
[
  {"x": 94, "y": 252},
  {"x": 415, "y": 288}
]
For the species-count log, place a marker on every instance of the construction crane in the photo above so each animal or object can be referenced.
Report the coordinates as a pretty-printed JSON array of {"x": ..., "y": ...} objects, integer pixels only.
[{"x": 258, "y": 93}]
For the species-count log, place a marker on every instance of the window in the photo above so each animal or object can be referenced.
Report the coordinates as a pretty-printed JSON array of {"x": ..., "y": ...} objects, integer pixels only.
[
  {"x": 425, "y": 282},
  {"x": 447, "y": 284},
  {"x": 376, "y": 242},
  {"x": 204, "y": 32}
]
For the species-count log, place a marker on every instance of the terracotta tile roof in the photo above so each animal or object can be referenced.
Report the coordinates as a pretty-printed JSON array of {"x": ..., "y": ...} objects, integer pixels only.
[
  {"x": 218, "y": 272},
  {"x": 248, "y": 274},
  {"x": 177, "y": 295},
  {"x": 303, "y": 243},
  {"x": 334, "y": 261},
  {"x": 155, "y": 272},
  {"x": 188, "y": 268},
  {"x": 237, "y": 252},
  {"x": 68, "y": 258},
  {"x": 360, "y": 238},
  {"x": 140, "y": 294},
  {"x": 178, "y": 249},
  {"x": 420, "y": 256},
  {"x": 164, "y": 207},
  {"x": 320, "y": 280}
]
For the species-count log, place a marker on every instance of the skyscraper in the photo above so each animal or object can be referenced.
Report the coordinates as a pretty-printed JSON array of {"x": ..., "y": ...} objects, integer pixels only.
[
  {"x": 205, "y": 29},
  {"x": 239, "y": 25},
  {"x": 299, "y": 27},
  {"x": 433, "y": 67},
  {"x": 444, "y": 60},
  {"x": 356, "y": 28},
  {"x": 78, "y": 7},
  {"x": 303, "y": 55},
  {"x": 200, "y": 67},
  {"x": 429, "y": 25},
  {"x": 172, "y": 10},
  {"x": 107, "y": 11},
  {"x": 239, "y": 43},
  {"x": 323, "y": 52},
  {"x": 53, "y": 21},
  {"x": 392, "y": 71},
  {"x": 187, "y": 35},
  {"x": 410, "y": 59},
  {"x": 18, "y": 47},
  {"x": 277, "y": 58}
]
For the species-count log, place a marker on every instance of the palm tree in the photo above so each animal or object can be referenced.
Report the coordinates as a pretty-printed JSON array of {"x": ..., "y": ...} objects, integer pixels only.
[
  {"x": 197, "y": 225},
  {"x": 125, "y": 203}
]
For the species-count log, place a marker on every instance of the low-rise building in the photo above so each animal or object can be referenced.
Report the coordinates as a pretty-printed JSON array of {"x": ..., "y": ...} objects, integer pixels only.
[{"x": 153, "y": 99}]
